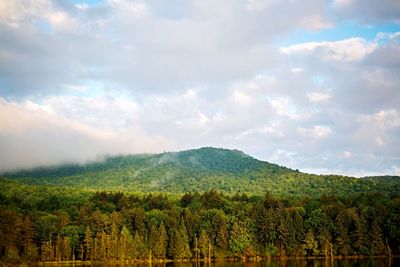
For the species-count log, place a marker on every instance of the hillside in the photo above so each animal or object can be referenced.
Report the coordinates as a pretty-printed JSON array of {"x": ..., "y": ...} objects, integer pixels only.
[{"x": 229, "y": 171}]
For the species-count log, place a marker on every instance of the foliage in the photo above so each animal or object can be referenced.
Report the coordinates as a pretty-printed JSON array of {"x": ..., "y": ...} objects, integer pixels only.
[
  {"x": 118, "y": 209},
  {"x": 106, "y": 228},
  {"x": 198, "y": 170}
]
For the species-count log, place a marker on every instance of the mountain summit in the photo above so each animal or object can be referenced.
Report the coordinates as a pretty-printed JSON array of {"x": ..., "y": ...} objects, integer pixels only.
[{"x": 200, "y": 169}]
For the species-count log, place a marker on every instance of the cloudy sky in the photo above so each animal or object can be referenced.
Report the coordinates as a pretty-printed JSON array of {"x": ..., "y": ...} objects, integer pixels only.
[{"x": 309, "y": 84}]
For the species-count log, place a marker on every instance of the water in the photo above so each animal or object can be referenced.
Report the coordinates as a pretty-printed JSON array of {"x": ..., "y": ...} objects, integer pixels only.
[{"x": 373, "y": 262}]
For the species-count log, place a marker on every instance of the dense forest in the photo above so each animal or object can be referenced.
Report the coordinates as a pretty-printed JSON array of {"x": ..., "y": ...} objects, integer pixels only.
[
  {"x": 238, "y": 207},
  {"x": 50, "y": 224},
  {"x": 199, "y": 170}
]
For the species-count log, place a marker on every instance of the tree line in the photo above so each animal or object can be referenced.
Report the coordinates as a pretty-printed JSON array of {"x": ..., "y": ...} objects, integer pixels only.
[{"x": 111, "y": 226}]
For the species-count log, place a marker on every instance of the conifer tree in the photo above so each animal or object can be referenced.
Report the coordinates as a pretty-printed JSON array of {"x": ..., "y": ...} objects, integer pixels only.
[
  {"x": 179, "y": 243},
  {"x": 377, "y": 244},
  {"x": 113, "y": 243},
  {"x": 204, "y": 243},
  {"x": 66, "y": 248},
  {"x": 153, "y": 239},
  {"x": 139, "y": 250},
  {"x": 88, "y": 244},
  {"x": 126, "y": 244},
  {"x": 160, "y": 248}
]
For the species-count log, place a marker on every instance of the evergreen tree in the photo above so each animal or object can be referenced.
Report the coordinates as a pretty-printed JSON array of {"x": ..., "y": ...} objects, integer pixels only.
[
  {"x": 126, "y": 244},
  {"x": 88, "y": 244},
  {"x": 219, "y": 225},
  {"x": 179, "y": 243},
  {"x": 30, "y": 252},
  {"x": 377, "y": 244},
  {"x": 160, "y": 247},
  {"x": 113, "y": 243},
  {"x": 66, "y": 249},
  {"x": 139, "y": 249},
  {"x": 153, "y": 239},
  {"x": 204, "y": 244},
  {"x": 58, "y": 248},
  {"x": 361, "y": 236},
  {"x": 342, "y": 237}
]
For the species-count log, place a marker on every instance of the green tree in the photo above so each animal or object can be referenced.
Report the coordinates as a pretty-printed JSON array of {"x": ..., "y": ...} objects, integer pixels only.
[
  {"x": 310, "y": 244},
  {"x": 342, "y": 237},
  {"x": 160, "y": 247},
  {"x": 240, "y": 239},
  {"x": 113, "y": 243},
  {"x": 88, "y": 244},
  {"x": 377, "y": 245},
  {"x": 126, "y": 244},
  {"x": 205, "y": 244},
  {"x": 180, "y": 243},
  {"x": 139, "y": 249},
  {"x": 66, "y": 250}
]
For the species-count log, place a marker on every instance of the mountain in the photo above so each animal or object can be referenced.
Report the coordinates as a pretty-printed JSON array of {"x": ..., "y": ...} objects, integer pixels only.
[{"x": 229, "y": 171}]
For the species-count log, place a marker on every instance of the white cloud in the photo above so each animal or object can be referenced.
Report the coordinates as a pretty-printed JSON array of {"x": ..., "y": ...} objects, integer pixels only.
[
  {"x": 297, "y": 70},
  {"x": 342, "y": 3},
  {"x": 347, "y": 154},
  {"x": 387, "y": 36},
  {"x": 130, "y": 7},
  {"x": 241, "y": 98},
  {"x": 257, "y": 5},
  {"x": 346, "y": 50},
  {"x": 316, "y": 132},
  {"x": 125, "y": 76},
  {"x": 368, "y": 11},
  {"x": 82, "y": 6},
  {"x": 315, "y": 22},
  {"x": 318, "y": 96},
  {"x": 384, "y": 119},
  {"x": 284, "y": 106},
  {"x": 31, "y": 136}
]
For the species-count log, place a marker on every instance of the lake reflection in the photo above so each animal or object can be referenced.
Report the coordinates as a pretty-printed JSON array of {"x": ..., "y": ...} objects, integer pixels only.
[{"x": 265, "y": 263}]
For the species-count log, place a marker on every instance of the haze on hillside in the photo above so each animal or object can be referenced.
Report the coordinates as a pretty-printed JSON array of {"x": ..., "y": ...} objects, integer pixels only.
[
  {"x": 199, "y": 170},
  {"x": 311, "y": 85}
]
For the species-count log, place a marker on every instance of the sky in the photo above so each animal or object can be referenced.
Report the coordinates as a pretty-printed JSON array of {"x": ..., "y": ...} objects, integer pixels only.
[{"x": 312, "y": 85}]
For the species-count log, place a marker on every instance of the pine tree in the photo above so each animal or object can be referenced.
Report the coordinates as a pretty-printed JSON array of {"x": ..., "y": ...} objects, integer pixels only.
[
  {"x": 361, "y": 236},
  {"x": 105, "y": 246},
  {"x": 66, "y": 248},
  {"x": 125, "y": 244},
  {"x": 139, "y": 250},
  {"x": 97, "y": 252},
  {"x": 160, "y": 248},
  {"x": 58, "y": 248},
  {"x": 186, "y": 253},
  {"x": 219, "y": 224},
  {"x": 204, "y": 244},
  {"x": 342, "y": 237},
  {"x": 113, "y": 245},
  {"x": 179, "y": 243},
  {"x": 377, "y": 244},
  {"x": 30, "y": 250},
  {"x": 88, "y": 244},
  {"x": 153, "y": 239}
]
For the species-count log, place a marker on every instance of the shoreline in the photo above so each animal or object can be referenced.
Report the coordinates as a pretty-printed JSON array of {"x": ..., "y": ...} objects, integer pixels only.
[{"x": 215, "y": 260}]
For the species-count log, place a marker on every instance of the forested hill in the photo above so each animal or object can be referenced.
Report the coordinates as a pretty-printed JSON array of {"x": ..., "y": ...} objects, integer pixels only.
[{"x": 229, "y": 171}]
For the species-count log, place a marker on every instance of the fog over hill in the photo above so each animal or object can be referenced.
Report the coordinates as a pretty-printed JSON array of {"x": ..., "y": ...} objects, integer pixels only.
[{"x": 203, "y": 169}]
